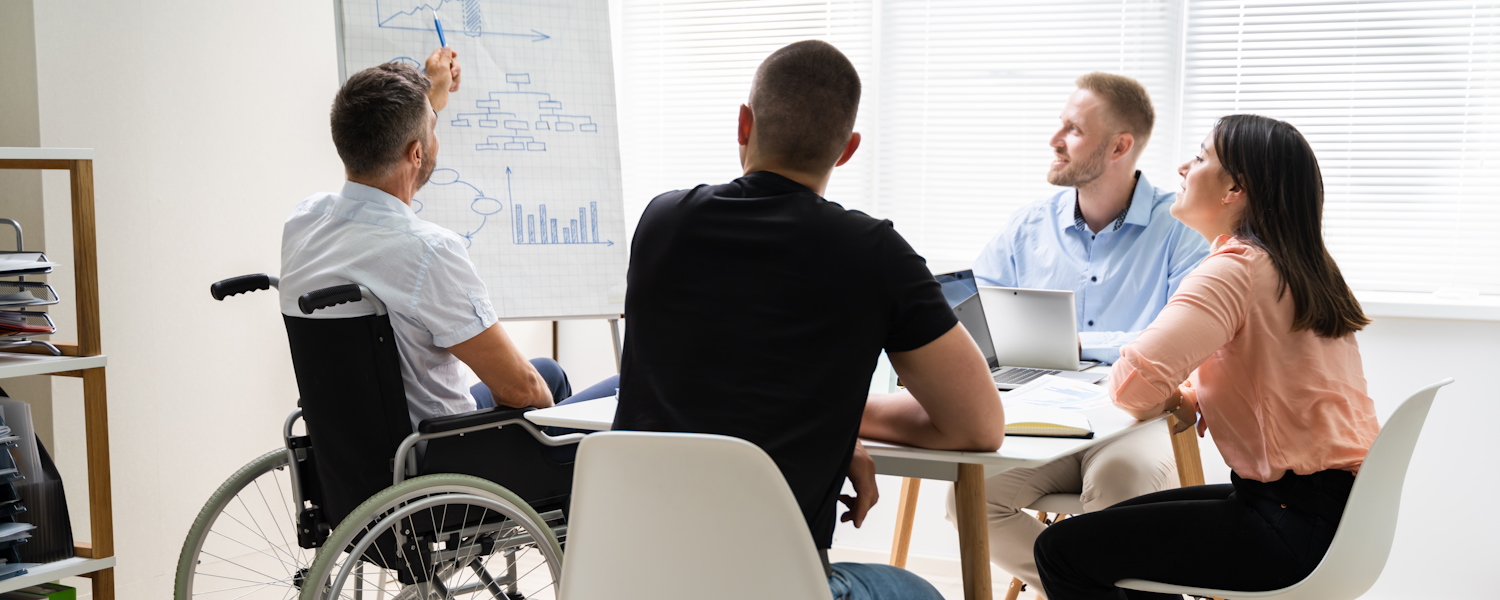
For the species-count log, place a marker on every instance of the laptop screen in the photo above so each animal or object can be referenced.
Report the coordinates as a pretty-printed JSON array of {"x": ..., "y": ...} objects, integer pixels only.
[{"x": 962, "y": 293}]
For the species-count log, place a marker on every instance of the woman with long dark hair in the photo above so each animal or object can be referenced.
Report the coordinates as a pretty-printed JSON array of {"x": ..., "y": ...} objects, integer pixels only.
[{"x": 1258, "y": 346}]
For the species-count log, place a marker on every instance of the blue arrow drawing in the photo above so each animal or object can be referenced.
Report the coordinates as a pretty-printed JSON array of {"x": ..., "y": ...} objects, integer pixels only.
[{"x": 473, "y": 20}]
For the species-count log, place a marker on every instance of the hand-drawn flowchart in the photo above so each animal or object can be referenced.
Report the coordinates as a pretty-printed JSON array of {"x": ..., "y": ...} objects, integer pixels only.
[
  {"x": 548, "y": 117},
  {"x": 528, "y": 161}
]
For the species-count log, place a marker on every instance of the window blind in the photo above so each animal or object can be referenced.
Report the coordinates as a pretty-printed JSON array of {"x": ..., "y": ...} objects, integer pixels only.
[
  {"x": 685, "y": 68},
  {"x": 1401, "y": 102},
  {"x": 1399, "y": 99},
  {"x": 970, "y": 97}
]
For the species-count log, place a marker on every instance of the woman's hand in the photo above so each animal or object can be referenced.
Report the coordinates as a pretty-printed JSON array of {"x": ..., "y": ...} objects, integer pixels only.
[
  {"x": 1184, "y": 419},
  {"x": 1185, "y": 416}
]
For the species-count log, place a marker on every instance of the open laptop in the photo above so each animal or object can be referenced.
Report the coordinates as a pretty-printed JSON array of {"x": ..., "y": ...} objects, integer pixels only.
[{"x": 1030, "y": 327}]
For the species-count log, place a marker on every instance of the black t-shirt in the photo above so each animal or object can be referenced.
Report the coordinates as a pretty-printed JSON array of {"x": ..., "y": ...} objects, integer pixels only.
[{"x": 757, "y": 309}]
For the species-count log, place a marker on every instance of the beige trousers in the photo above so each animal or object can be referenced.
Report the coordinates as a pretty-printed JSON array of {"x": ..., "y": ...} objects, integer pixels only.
[{"x": 1135, "y": 464}]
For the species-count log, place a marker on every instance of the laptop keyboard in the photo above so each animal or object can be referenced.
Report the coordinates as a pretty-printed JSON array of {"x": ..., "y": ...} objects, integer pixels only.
[{"x": 1021, "y": 375}]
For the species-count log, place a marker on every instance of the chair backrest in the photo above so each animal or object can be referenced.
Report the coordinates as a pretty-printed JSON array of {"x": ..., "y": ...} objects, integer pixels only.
[
  {"x": 354, "y": 402},
  {"x": 1363, "y": 541},
  {"x": 677, "y": 516}
]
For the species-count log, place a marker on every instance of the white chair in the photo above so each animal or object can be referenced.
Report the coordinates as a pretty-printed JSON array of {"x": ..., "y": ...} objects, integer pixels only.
[
  {"x": 1363, "y": 540},
  {"x": 675, "y": 516}
]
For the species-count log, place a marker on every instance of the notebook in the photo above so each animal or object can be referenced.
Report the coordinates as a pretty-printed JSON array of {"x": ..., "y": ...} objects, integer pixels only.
[
  {"x": 1030, "y": 421},
  {"x": 1052, "y": 406}
]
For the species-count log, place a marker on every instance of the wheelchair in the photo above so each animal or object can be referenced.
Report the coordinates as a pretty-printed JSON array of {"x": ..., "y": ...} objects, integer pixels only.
[{"x": 360, "y": 506}]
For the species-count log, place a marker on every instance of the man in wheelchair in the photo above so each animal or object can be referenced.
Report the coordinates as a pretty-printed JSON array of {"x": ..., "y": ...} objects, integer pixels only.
[
  {"x": 384, "y": 123},
  {"x": 407, "y": 476}
]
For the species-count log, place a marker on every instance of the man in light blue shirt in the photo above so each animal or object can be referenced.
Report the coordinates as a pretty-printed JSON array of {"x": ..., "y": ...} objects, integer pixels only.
[
  {"x": 1111, "y": 239},
  {"x": 1122, "y": 265}
]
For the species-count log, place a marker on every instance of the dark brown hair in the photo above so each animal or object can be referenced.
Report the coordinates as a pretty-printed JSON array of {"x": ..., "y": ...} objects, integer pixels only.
[
  {"x": 805, "y": 97},
  {"x": 376, "y": 113},
  {"x": 1275, "y": 166},
  {"x": 1128, "y": 103}
]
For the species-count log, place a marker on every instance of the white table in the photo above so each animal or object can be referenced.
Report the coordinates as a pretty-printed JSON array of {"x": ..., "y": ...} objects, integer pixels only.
[
  {"x": 967, "y": 469},
  {"x": 895, "y": 459}
]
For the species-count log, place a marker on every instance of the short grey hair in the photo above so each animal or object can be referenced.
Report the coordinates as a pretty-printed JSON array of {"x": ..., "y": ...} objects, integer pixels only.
[{"x": 376, "y": 113}]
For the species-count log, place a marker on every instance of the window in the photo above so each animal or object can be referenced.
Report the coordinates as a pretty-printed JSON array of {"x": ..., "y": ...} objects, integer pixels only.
[
  {"x": 1401, "y": 103},
  {"x": 684, "y": 69},
  {"x": 1400, "y": 99},
  {"x": 970, "y": 94}
]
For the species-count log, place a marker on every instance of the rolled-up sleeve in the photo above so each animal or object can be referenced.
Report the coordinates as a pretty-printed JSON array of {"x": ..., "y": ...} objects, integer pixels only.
[{"x": 1204, "y": 315}]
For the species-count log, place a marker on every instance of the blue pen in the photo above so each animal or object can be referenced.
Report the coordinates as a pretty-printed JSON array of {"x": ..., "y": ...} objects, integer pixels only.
[{"x": 439, "y": 24}]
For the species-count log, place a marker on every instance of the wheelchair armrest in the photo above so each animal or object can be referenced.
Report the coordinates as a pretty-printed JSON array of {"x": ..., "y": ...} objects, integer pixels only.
[
  {"x": 477, "y": 421},
  {"x": 470, "y": 419}
]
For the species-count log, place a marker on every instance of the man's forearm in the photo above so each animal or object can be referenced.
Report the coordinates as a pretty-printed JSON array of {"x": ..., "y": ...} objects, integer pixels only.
[
  {"x": 533, "y": 393},
  {"x": 899, "y": 418}
]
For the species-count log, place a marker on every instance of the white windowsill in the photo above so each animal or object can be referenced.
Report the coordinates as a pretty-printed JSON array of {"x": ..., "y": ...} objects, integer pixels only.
[{"x": 1414, "y": 305}]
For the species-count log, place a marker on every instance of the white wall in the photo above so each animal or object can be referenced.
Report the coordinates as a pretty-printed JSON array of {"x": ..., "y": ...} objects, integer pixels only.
[
  {"x": 206, "y": 120},
  {"x": 210, "y": 122},
  {"x": 21, "y": 191},
  {"x": 1444, "y": 544}
]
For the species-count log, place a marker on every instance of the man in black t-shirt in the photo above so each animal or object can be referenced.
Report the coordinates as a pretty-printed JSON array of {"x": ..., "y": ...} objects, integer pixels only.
[{"x": 757, "y": 309}]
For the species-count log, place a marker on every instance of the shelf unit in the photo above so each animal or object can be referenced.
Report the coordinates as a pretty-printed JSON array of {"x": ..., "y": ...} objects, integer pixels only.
[{"x": 85, "y": 360}]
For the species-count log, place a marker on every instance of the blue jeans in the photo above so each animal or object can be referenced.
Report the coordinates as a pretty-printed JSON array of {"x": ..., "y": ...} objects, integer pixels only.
[
  {"x": 562, "y": 393},
  {"x": 858, "y": 581}
]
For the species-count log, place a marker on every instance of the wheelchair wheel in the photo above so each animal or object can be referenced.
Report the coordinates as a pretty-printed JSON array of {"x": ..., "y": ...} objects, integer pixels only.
[
  {"x": 438, "y": 537},
  {"x": 243, "y": 545}
]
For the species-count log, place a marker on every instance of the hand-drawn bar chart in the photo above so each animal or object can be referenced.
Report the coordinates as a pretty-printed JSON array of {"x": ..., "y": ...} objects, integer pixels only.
[
  {"x": 530, "y": 229},
  {"x": 583, "y": 230}
]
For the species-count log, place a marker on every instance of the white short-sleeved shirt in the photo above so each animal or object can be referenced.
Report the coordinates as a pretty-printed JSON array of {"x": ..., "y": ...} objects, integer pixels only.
[{"x": 419, "y": 270}]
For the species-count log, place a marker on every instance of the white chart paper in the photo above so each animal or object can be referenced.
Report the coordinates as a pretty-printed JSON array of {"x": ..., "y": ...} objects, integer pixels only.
[{"x": 528, "y": 167}]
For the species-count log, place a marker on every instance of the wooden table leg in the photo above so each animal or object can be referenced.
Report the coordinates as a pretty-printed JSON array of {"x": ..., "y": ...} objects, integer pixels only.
[
  {"x": 1185, "y": 450},
  {"x": 906, "y": 510},
  {"x": 973, "y": 534}
]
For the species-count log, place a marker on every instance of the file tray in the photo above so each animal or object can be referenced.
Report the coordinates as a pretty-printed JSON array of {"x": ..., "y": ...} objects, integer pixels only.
[
  {"x": 13, "y": 262},
  {"x": 26, "y": 293},
  {"x": 30, "y": 324},
  {"x": 12, "y": 570}
]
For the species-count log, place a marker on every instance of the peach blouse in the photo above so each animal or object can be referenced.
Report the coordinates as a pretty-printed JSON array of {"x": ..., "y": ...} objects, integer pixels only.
[{"x": 1276, "y": 400}]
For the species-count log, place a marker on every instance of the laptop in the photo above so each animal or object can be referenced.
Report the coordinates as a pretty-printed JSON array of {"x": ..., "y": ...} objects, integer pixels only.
[{"x": 1032, "y": 329}]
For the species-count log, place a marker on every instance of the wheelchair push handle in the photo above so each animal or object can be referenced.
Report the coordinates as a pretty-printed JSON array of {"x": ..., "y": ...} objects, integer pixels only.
[
  {"x": 243, "y": 284},
  {"x": 329, "y": 296}
]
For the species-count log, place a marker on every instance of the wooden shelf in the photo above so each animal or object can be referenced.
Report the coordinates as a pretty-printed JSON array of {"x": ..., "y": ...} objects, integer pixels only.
[
  {"x": 53, "y": 571},
  {"x": 11, "y": 153},
  {"x": 15, "y": 364},
  {"x": 84, "y": 360}
]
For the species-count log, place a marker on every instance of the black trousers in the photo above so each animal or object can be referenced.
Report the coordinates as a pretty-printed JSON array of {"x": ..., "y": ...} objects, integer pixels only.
[{"x": 1247, "y": 535}]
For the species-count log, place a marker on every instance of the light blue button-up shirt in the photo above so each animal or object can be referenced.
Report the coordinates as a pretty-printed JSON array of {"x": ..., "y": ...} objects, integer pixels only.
[{"x": 1120, "y": 278}]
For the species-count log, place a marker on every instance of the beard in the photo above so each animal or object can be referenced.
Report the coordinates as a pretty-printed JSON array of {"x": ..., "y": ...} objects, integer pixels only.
[
  {"x": 429, "y": 163},
  {"x": 1077, "y": 173}
]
